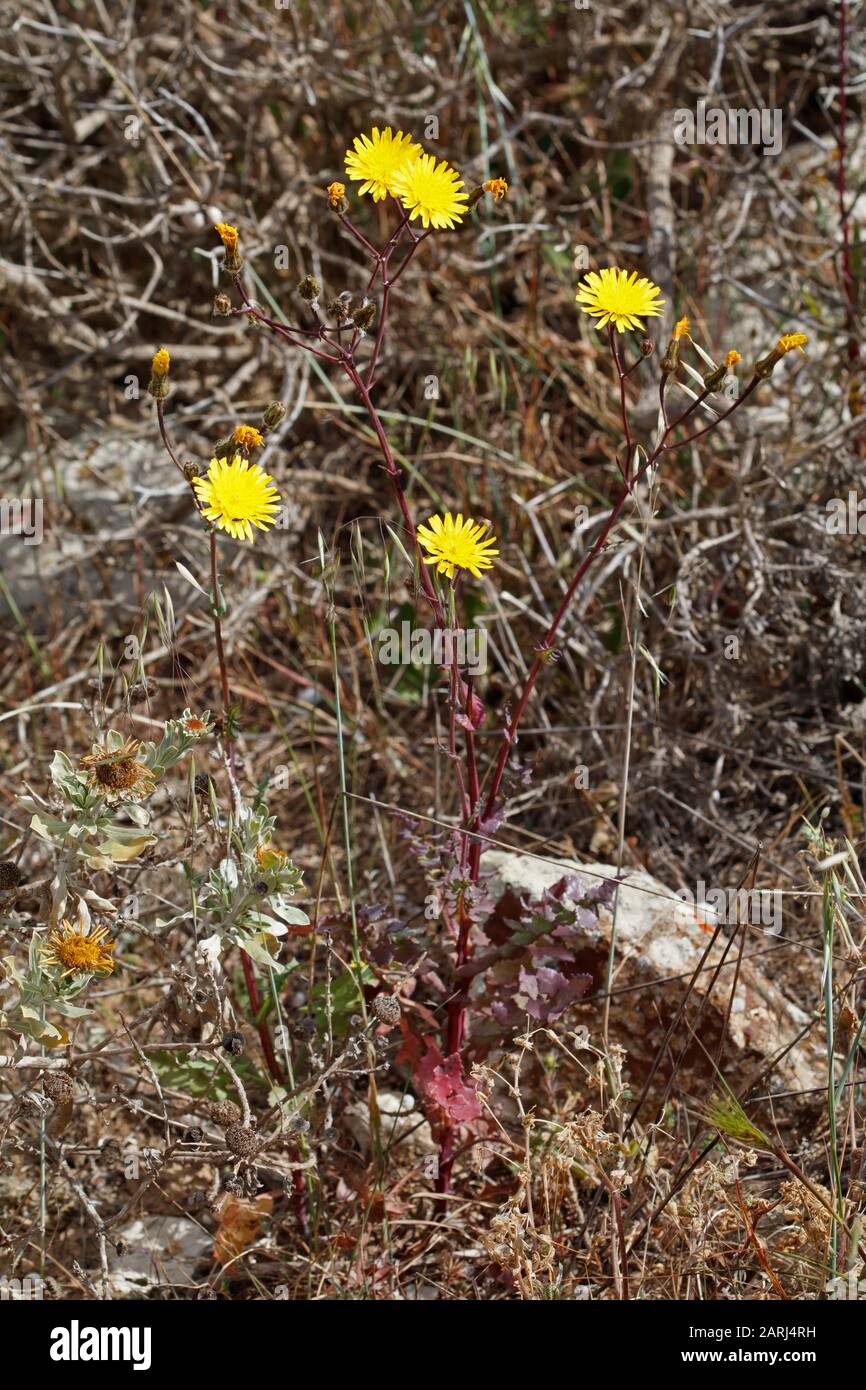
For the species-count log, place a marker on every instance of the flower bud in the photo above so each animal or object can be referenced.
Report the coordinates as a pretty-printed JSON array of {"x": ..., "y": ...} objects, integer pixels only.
[
  {"x": 158, "y": 384},
  {"x": 309, "y": 289},
  {"x": 222, "y": 306},
  {"x": 337, "y": 197},
  {"x": 229, "y": 237},
  {"x": 274, "y": 415},
  {"x": 364, "y": 317},
  {"x": 787, "y": 343}
]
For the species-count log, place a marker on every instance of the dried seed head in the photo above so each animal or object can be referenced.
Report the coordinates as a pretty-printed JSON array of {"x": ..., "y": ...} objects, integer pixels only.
[
  {"x": 337, "y": 309},
  {"x": 222, "y": 306},
  {"x": 10, "y": 875},
  {"x": 386, "y": 1007},
  {"x": 193, "y": 1135},
  {"x": 233, "y": 1044},
  {"x": 224, "y": 1112},
  {"x": 242, "y": 1141},
  {"x": 201, "y": 784},
  {"x": 58, "y": 1086}
]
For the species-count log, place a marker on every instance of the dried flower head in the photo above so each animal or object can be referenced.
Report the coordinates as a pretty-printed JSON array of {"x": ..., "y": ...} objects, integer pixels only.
[
  {"x": 224, "y": 1112},
  {"x": 118, "y": 772},
  {"x": 456, "y": 545},
  {"x": 161, "y": 362},
  {"x": 386, "y": 1007},
  {"x": 336, "y": 193},
  {"x": 430, "y": 191},
  {"x": 236, "y": 496},
  {"x": 58, "y": 1086},
  {"x": 247, "y": 437},
  {"x": 732, "y": 358},
  {"x": 375, "y": 159},
  {"x": 242, "y": 1141},
  {"x": 78, "y": 950},
  {"x": 614, "y": 296},
  {"x": 682, "y": 328},
  {"x": 10, "y": 875}
]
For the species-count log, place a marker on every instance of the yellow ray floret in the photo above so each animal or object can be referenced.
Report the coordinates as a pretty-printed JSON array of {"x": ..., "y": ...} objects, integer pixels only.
[
  {"x": 78, "y": 950},
  {"x": 614, "y": 296},
  {"x": 431, "y": 191},
  {"x": 237, "y": 495},
  {"x": 375, "y": 159},
  {"x": 457, "y": 545}
]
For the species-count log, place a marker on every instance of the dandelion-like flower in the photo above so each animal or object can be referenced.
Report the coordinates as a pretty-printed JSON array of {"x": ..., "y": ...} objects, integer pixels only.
[
  {"x": 431, "y": 191},
  {"x": 457, "y": 545},
  {"x": 161, "y": 362},
  {"x": 78, "y": 950},
  {"x": 237, "y": 495},
  {"x": 614, "y": 296},
  {"x": 247, "y": 437},
  {"x": 118, "y": 772},
  {"x": 375, "y": 160},
  {"x": 498, "y": 187}
]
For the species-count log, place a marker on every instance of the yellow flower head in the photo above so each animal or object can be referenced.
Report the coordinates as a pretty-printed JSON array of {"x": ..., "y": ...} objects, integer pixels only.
[
  {"x": 682, "y": 328},
  {"x": 237, "y": 495},
  {"x": 456, "y": 545},
  {"x": 79, "y": 950},
  {"x": 431, "y": 191},
  {"x": 733, "y": 358},
  {"x": 118, "y": 773},
  {"x": 247, "y": 437},
  {"x": 614, "y": 296},
  {"x": 227, "y": 234},
  {"x": 268, "y": 856},
  {"x": 789, "y": 341},
  {"x": 161, "y": 363},
  {"x": 498, "y": 187},
  {"x": 375, "y": 160},
  {"x": 336, "y": 193}
]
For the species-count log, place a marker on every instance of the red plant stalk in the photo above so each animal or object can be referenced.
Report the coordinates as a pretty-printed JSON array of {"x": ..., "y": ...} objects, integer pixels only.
[
  {"x": 849, "y": 282},
  {"x": 475, "y": 811}
]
